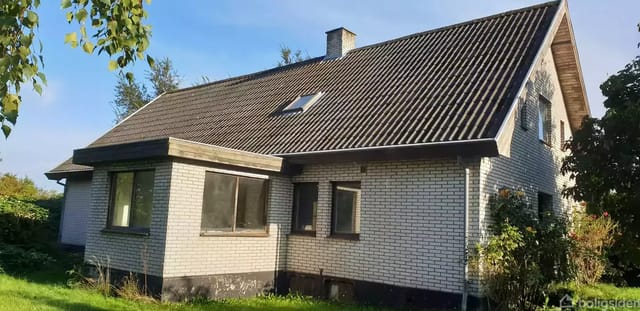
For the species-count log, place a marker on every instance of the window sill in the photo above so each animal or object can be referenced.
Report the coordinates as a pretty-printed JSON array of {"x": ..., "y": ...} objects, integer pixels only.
[
  {"x": 345, "y": 236},
  {"x": 303, "y": 233},
  {"x": 125, "y": 232},
  {"x": 235, "y": 234}
]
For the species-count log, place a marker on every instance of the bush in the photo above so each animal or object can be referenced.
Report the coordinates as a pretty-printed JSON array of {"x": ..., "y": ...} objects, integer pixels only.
[
  {"x": 524, "y": 256},
  {"x": 591, "y": 236},
  {"x": 21, "y": 222},
  {"x": 17, "y": 259}
]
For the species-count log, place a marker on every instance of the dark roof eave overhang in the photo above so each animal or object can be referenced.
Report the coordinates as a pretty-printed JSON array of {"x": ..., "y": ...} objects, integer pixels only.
[
  {"x": 57, "y": 175},
  {"x": 485, "y": 147},
  {"x": 170, "y": 147}
]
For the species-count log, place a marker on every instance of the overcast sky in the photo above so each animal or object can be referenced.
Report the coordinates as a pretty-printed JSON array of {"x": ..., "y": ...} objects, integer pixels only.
[{"x": 221, "y": 39}]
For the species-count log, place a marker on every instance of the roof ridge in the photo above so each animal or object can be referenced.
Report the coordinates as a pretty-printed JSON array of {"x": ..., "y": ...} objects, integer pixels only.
[
  {"x": 468, "y": 22},
  {"x": 304, "y": 62}
]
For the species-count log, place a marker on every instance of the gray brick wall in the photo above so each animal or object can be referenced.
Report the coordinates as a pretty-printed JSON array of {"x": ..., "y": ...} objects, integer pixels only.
[{"x": 124, "y": 251}]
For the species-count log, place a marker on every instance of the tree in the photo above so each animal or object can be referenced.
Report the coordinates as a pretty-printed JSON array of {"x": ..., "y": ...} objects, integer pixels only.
[
  {"x": 605, "y": 163},
  {"x": 117, "y": 28},
  {"x": 287, "y": 58},
  {"x": 20, "y": 188},
  {"x": 131, "y": 95}
]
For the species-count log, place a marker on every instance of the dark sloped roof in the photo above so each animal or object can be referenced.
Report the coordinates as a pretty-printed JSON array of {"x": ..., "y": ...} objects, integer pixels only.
[
  {"x": 449, "y": 84},
  {"x": 67, "y": 167}
]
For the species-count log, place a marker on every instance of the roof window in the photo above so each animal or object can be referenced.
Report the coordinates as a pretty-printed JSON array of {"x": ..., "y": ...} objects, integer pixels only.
[{"x": 302, "y": 103}]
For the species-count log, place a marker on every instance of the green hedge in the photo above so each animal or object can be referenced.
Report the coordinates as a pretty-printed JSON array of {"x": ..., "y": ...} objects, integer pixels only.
[{"x": 21, "y": 222}]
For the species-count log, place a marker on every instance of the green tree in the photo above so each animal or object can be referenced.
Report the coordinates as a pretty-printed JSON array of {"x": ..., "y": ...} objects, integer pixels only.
[
  {"x": 605, "y": 163},
  {"x": 114, "y": 27},
  {"x": 131, "y": 95},
  {"x": 288, "y": 57},
  {"x": 20, "y": 188}
]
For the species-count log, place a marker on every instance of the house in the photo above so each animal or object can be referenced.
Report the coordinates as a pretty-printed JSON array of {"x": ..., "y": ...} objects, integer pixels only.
[{"x": 360, "y": 175}]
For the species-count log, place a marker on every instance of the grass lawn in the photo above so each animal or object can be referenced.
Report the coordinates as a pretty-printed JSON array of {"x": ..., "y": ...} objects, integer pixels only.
[
  {"x": 46, "y": 289},
  {"x": 601, "y": 292}
]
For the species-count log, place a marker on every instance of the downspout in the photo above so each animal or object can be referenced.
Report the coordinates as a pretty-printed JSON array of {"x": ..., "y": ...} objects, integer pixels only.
[{"x": 465, "y": 254}]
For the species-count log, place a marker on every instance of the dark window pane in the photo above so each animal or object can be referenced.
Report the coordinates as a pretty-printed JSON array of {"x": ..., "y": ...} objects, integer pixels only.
[
  {"x": 142, "y": 199},
  {"x": 545, "y": 205},
  {"x": 304, "y": 206},
  {"x": 121, "y": 208},
  {"x": 251, "y": 203},
  {"x": 346, "y": 208},
  {"x": 219, "y": 202}
]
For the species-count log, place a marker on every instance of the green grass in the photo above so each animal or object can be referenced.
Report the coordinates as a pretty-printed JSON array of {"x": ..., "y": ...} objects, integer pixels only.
[
  {"x": 46, "y": 290},
  {"x": 601, "y": 292}
]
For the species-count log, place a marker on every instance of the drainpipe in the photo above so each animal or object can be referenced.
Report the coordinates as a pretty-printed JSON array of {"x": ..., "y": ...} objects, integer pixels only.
[{"x": 465, "y": 276}]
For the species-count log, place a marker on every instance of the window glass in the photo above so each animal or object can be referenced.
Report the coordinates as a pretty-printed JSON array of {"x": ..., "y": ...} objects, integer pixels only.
[
  {"x": 143, "y": 199},
  {"x": 544, "y": 120},
  {"x": 219, "y": 202},
  {"x": 122, "y": 199},
  {"x": 305, "y": 202},
  {"x": 233, "y": 203},
  {"x": 251, "y": 203},
  {"x": 346, "y": 208}
]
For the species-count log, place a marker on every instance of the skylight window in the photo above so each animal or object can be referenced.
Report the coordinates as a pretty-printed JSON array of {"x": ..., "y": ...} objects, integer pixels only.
[{"x": 302, "y": 103}]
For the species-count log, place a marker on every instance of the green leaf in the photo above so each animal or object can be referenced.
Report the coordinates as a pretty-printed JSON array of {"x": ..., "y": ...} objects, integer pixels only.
[
  {"x": 42, "y": 77},
  {"x": 65, "y": 4},
  {"x": 151, "y": 61},
  {"x": 38, "y": 88},
  {"x": 81, "y": 15},
  {"x": 71, "y": 39},
  {"x": 69, "y": 17},
  {"x": 88, "y": 47},
  {"x": 32, "y": 17},
  {"x": 113, "y": 65},
  {"x": 6, "y": 130},
  {"x": 129, "y": 76}
]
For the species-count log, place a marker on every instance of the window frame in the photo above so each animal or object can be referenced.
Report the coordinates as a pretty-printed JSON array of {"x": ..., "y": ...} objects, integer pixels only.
[
  {"x": 295, "y": 231},
  {"x": 541, "y": 209},
  {"x": 233, "y": 232},
  {"x": 110, "y": 208},
  {"x": 343, "y": 235},
  {"x": 547, "y": 127},
  {"x": 293, "y": 107}
]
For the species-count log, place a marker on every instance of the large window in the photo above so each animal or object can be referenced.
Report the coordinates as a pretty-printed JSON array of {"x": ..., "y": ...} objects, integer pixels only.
[
  {"x": 131, "y": 200},
  {"x": 545, "y": 205},
  {"x": 346, "y": 209},
  {"x": 305, "y": 204},
  {"x": 233, "y": 204},
  {"x": 544, "y": 120}
]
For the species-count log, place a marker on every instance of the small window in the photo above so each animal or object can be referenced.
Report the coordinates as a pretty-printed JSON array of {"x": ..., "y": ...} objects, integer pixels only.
[
  {"x": 346, "y": 209},
  {"x": 545, "y": 205},
  {"x": 562, "y": 137},
  {"x": 302, "y": 103},
  {"x": 544, "y": 120},
  {"x": 305, "y": 204},
  {"x": 233, "y": 204},
  {"x": 131, "y": 200},
  {"x": 524, "y": 119}
]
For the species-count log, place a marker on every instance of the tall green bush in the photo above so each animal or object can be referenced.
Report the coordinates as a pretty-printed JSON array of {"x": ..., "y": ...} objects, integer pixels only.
[
  {"x": 21, "y": 222},
  {"x": 591, "y": 237},
  {"x": 524, "y": 256}
]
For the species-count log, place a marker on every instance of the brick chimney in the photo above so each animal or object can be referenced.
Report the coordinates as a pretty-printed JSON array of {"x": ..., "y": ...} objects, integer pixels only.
[{"x": 339, "y": 42}]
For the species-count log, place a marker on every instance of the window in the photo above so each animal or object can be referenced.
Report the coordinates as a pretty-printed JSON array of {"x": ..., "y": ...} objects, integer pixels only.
[
  {"x": 524, "y": 119},
  {"x": 233, "y": 203},
  {"x": 562, "y": 137},
  {"x": 131, "y": 200},
  {"x": 545, "y": 204},
  {"x": 544, "y": 120},
  {"x": 346, "y": 209},
  {"x": 302, "y": 103},
  {"x": 305, "y": 204}
]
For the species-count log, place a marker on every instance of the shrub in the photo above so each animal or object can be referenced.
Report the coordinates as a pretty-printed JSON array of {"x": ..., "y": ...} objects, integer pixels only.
[
  {"x": 16, "y": 259},
  {"x": 21, "y": 222},
  {"x": 524, "y": 256},
  {"x": 591, "y": 236}
]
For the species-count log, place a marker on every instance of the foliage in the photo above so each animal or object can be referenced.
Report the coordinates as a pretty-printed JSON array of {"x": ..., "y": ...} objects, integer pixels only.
[
  {"x": 21, "y": 222},
  {"x": 524, "y": 256},
  {"x": 605, "y": 163},
  {"x": 597, "y": 291},
  {"x": 131, "y": 95},
  {"x": 118, "y": 29},
  {"x": 21, "y": 188},
  {"x": 18, "y": 259},
  {"x": 591, "y": 237},
  {"x": 288, "y": 57}
]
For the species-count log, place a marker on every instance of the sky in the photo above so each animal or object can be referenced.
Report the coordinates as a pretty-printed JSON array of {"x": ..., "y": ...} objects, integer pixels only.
[{"x": 225, "y": 38}]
